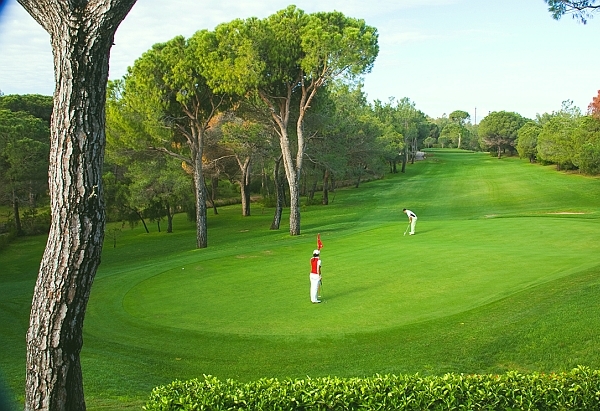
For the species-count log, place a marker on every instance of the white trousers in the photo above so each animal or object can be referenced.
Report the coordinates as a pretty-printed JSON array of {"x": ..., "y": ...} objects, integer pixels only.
[
  {"x": 314, "y": 287},
  {"x": 413, "y": 223}
]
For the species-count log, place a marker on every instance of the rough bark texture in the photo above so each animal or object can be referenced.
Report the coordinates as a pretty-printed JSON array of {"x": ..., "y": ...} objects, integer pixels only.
[
  {"x": 81, "y": 34},
  {"x": 201, "y": 220},
  {"x": 279, "y": 195},
  {"x": 244, "y": 183},
  {"x": 325, "y": 200}
]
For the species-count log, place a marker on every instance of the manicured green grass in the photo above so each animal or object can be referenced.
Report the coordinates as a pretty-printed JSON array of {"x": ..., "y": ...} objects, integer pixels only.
[{"x": 503, "y": 274}]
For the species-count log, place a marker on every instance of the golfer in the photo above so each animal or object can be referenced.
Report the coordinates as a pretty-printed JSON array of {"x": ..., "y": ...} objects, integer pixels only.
[
  {"x": 315, "y": 276},
  {"x": 412, "y": 219}
]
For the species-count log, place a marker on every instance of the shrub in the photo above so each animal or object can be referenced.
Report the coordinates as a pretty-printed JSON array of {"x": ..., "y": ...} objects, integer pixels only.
[
  {"x": 6, "y": 239},
  {"x": 575, "y": 390},
  {"x": 33, "y": 222}
]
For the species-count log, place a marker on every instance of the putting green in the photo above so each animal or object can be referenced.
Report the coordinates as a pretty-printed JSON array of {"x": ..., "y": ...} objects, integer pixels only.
[
  {"x": 448, "y": 267},
  {"x": 503, "y": 274}
]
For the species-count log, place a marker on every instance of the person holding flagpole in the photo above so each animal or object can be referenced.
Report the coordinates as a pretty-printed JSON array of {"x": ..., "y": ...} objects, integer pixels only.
[
  {"x": 315, "y": 276},
  {"x": 315, "y": 272}
]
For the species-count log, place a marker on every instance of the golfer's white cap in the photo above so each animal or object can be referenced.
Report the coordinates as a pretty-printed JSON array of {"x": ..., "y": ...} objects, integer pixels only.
[{"x": 316, "y": 252}]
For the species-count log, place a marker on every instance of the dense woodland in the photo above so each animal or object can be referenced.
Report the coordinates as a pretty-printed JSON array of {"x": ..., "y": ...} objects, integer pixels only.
[{"x": 349, "y": 140}]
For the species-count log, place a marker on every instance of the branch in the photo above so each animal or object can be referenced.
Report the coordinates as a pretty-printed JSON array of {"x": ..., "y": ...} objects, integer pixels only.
[{"x": 578, "y": 8}]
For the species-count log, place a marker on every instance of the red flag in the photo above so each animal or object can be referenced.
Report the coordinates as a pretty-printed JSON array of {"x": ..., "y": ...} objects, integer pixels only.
[{"x": 319, "y": 243}]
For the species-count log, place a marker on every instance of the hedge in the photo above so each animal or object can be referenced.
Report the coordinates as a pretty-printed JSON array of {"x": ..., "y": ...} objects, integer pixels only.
[{"x": 578, "y": 389}]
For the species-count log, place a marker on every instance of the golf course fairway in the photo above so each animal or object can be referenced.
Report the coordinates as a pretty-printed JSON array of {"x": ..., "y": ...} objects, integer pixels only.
[{"x": 502, "y": 274}]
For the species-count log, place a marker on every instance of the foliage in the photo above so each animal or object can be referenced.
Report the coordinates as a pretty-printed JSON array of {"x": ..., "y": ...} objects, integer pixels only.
[
  {"x": 35, "y": 222},
  {"x": 404, "y": 128},
  {"x": 575, "y": 390},
  {"x": 594, "y": 107},
  {"x": 24, "y": 151},
  {"x": 555, "y": 142},
  {"x": 6, "y": 239},
  {"x": 586, "y": 139},
  {"x": 580, "y": 9},
  {"x": 349, "y": 145},
  {"x": 527, "y": 140},
  {"x": 456, "y": 130},
  {"x": 498, "y": 131},
  {"x": 35, "y": 104}
]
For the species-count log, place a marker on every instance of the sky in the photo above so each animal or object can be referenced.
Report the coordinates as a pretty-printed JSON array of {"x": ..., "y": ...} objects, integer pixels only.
[{"x": 478, "y": 56}]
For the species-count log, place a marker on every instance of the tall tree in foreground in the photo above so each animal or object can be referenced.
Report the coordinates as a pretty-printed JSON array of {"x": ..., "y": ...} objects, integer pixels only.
[{"x": 81, "y": 33}]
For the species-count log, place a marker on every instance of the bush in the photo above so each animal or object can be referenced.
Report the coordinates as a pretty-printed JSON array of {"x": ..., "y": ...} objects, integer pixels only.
[
  {"x": 575, "y": 390},
  {"x": 33, "y": 222},
  {"x": 6, "y": 239}
]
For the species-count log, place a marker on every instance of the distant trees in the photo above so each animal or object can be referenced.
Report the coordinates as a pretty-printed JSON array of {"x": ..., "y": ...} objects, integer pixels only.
[
  {"x": 527, "y": 137},
  {"x": 35, "y": 104},
  {"x": 24, "y": 150},
  {"x": 456, "y": 129},
  {"x": 586, "y": 147},
  {"x": 277, "y": 64},
  {"x": 498, "y": 131},
  {"x": 594, "y": 107},
  {"x": 404, "y": 128},
  {"x": 565, "y": 138}
]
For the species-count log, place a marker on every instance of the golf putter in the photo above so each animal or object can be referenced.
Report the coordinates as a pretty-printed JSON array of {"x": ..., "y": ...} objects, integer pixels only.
[{"x": 407, "y": 227}]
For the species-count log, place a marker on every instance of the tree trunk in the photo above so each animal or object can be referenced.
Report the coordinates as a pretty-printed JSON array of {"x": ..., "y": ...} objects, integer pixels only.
[
  {"x": 325, "y": 200},
  {"x": 169, "y": 217},
  {"x": 201, "y": 230},
  {"x": 279, "y": 196},
  {"x": 245, "y": 185},
  {"x": 141, "y": 217},
  {"x": 292, "y": 173},
  {"x": 211, "y": 195},
  {"x": 81, "y": 36},
  {"x": 313, "y": 188},
  {"x": 15, "y": 204}
]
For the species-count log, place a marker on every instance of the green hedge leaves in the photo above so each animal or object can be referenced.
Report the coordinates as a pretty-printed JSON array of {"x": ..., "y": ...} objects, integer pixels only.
[{"x": 575, "y": 390}]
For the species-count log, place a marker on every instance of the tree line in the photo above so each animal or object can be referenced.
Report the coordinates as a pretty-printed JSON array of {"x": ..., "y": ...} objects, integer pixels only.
[{"x": 147, "y": 175}]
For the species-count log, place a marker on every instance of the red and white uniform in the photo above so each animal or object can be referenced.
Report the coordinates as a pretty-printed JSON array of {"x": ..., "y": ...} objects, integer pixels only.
[{"x": 315, "y": 277}]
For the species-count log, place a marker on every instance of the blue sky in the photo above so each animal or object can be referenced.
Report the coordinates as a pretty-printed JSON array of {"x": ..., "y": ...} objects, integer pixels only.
[{"x": 473, "y": 55}]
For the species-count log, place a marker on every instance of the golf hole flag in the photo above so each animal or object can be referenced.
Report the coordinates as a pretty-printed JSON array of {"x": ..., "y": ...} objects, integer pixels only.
[{"x": 319, "y": 243}]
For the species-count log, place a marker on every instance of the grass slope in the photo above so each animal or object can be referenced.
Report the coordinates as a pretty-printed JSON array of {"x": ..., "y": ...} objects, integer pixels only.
[{"x": 502, "y": 274}]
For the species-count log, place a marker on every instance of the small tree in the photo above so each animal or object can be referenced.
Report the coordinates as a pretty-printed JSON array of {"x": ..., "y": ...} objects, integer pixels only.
[
  {"x": 587, "y": 145},
  {"x": 527, "y": 137},
  {"x": 498, "y": 131}
]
